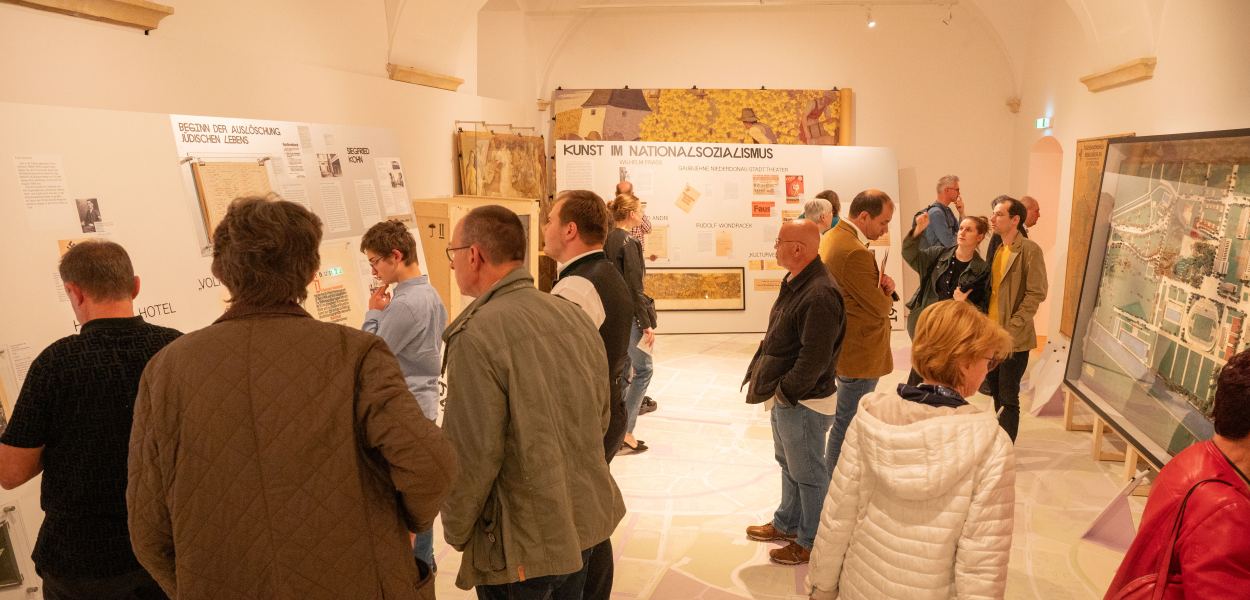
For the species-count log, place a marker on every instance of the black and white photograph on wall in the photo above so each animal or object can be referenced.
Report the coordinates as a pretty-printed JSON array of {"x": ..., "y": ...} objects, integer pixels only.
[
  {"x": 397, "y": 178},
  {"x": 88, "y": 214},
  {"x": 330, "y": 165}
]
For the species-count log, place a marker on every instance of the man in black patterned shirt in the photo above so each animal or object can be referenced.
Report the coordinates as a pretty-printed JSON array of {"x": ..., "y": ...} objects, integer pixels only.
[{"x": 72, "y": 423}]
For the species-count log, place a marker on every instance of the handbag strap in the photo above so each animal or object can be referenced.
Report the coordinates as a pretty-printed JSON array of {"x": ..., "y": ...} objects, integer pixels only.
[{"x": 1161, "y": 578}]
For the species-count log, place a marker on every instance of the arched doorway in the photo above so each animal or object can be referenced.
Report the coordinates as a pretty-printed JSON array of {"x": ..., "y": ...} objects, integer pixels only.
[{"x": 1045, "y": 172}]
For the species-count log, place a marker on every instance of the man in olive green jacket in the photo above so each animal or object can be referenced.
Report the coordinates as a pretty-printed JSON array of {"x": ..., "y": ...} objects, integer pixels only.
[
  {"x": 1017, "y": 286},
  {"x": 527, "y": 409}
]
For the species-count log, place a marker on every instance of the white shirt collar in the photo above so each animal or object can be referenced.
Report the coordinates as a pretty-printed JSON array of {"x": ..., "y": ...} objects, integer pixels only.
[
  {"x": 560, "y": 265},
  {"x": 859, "y": 235}
]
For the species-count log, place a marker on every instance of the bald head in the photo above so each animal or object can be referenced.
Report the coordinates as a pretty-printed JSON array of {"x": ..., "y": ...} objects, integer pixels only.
[
  {"x": 1033, "y": 209},
  {"x": 798, "y": 243}
]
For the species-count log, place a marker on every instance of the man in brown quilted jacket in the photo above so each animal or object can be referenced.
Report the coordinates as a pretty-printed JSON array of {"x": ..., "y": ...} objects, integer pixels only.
[{"x": 274, "y": 456}]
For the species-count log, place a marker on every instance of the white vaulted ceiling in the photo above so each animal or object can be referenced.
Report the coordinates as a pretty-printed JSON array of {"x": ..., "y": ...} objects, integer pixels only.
[{"x": 437, "y": 35}]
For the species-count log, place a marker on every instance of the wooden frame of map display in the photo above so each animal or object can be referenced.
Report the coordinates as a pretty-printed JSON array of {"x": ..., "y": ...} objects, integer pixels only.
[
  {"x": 1166, "y": 288},
  {"x": 696, "y": 288}
]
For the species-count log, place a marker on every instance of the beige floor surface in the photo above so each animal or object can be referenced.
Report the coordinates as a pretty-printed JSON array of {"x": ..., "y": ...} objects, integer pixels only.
[{"x": 710, "y": 473}]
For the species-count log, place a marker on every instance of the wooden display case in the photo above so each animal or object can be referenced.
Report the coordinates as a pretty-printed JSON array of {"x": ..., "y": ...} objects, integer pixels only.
[{"x": 437, "y": 218}]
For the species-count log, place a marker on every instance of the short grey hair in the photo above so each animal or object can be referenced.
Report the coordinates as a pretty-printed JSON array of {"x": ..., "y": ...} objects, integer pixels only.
[
  {"x": 946, "y": 181},
  {"x": 817, "y": 208}
]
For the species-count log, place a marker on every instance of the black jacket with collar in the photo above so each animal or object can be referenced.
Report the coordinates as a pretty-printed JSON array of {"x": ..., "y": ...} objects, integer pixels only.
[
  {"x": 618, "y": 309},
  {"x": 798, "y": 358}
]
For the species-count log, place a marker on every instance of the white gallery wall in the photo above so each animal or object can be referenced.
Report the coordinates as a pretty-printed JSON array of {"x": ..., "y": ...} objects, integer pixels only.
[
  {"x": 317, "y": 61},
  {"x": 1201, "y": 83}
]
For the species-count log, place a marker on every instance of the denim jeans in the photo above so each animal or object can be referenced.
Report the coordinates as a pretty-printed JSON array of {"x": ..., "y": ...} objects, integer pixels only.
[
  {"x": 850, "y": 390},
  {"x": 423, "y": 547},
  {"x": 549, "y": 587},
  {"x": 799, "y": 443},
  {"x": 637, "y": 387},
  {"x": 1004, "y": 382}
]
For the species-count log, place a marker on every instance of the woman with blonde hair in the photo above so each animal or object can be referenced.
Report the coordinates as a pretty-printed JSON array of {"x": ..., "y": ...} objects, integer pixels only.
[
  {"x": 626, "y": 253},
  {"x": 921, "y": 502}
]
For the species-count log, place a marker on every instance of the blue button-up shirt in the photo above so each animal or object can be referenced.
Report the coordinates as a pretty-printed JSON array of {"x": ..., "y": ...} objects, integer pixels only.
[{"x": 412, "y": 326}]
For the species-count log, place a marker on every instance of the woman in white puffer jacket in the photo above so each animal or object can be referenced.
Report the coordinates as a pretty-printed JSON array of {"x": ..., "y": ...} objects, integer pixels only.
[{"x": 921, "y": 503}]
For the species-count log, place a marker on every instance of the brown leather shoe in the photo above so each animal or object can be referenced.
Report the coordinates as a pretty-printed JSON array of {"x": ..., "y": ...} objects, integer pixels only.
[
  {"x": 791, "y": 554},
  {"x": 767, "y": 533}
]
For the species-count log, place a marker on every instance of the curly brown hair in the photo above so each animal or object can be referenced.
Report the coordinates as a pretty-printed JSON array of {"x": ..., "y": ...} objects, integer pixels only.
[
  {"x": 390, "y": 235},
  {"x": 266, "y": 250},
  {"x": 1232, "y": 409}
]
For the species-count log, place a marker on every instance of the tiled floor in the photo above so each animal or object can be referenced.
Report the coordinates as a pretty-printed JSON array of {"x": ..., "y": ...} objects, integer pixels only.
[{"x": 710, "y": 473}]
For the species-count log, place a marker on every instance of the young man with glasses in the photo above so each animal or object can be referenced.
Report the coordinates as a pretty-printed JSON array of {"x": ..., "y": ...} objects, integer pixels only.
[{"x": 411, "y": 321}]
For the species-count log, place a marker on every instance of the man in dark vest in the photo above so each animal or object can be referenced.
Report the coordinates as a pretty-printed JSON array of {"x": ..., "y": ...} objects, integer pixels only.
[{"x": 573, "y": 235}]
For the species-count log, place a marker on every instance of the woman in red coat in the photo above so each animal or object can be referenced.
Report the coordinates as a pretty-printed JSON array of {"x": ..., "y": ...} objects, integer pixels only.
[{"x": 1212, "y": 554}]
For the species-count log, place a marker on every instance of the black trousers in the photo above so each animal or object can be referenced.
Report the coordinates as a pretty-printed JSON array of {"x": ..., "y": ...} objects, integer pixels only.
[
  {"x": 1004, "y": 385},
  {"x": 550, "y": 587},
  {"x": 599, "y": 572},
  {"x": 135, "y": 585}
]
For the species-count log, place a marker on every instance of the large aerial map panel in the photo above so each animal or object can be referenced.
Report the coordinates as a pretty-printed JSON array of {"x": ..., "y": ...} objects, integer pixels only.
[{"x": 1174, "y": 288}]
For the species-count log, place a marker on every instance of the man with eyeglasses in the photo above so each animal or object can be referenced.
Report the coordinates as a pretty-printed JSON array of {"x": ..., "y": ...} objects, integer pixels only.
[
  {"x": 943, "y": 225},
  {"x": 411, "y": 321},
  {"x": 527, "y": 411},
  {"x": 794, "y": 375}
]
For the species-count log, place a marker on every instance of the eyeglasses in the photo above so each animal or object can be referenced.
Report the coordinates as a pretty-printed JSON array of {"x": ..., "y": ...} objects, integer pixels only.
[
  {"x": 373, "y": 262},
  {"x": 992, "y": 362},
  {"x": 779, "y": 241},
  {"x": 451, "y": 249}
]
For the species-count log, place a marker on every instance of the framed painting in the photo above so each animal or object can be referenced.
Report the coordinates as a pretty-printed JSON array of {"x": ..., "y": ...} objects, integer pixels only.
[{"x": 696, "y": 288}]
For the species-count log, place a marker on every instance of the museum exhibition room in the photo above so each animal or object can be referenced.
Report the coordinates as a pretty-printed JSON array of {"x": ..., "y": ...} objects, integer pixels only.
[{"x": 1077, "y": 328}]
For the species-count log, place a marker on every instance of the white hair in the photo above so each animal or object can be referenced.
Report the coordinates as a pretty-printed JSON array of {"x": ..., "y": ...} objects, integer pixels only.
[{"x": 816, "y": 209}]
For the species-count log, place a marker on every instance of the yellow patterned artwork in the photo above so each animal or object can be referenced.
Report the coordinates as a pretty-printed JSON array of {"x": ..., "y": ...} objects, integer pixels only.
[
  {"x": 739, "y": 116},
  {"x": 690, "y": 288}
]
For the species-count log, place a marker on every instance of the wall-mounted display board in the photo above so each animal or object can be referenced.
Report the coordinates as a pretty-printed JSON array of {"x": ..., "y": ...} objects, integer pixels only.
[
  {"x": 436, "y": 220},
  {"x": 157, "y": 183},
  {"x": 730, "y": 116},
  {"x": 1091, "y": 158},
  {"x": 350, "y": 176},
  {"x": 721, "y": 205},
  {"x": 1167, "y": 286}
]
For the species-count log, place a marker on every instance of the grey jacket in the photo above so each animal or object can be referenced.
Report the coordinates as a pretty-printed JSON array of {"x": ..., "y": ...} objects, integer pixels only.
[{"x": 527, "y": 409}]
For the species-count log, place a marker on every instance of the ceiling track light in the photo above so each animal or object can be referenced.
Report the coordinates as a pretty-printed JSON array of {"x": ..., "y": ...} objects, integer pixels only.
[
  {"x": 950, "y": 14},
  {"x": 872, "y": 23}
]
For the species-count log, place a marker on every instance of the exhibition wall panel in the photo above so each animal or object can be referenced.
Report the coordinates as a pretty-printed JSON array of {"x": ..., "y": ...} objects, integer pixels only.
[
  {"x": 715, "y": 210},
  {"x": 145, "y": 180},
  {"x": 935, "y": 94}
]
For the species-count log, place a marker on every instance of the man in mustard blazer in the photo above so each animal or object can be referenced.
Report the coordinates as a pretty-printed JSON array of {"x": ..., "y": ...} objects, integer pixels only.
[{"x": 867, "y": 294}]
